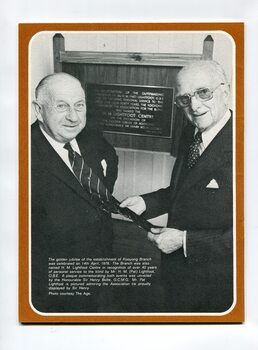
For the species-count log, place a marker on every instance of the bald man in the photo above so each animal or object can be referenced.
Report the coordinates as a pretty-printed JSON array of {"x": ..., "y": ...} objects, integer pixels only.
[
  {"x": 197, "y": 244},
  {"x": 65, "y": 221}
]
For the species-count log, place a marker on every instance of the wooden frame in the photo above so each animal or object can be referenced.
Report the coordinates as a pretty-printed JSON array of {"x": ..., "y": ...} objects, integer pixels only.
[
  {"x": 131, "y": 58},
  {"x": 137, "y": 60}
]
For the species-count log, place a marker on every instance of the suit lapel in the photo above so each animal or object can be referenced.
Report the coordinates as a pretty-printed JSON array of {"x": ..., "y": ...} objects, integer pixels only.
[
  {"x": 54, "y": 163},
  {"x": 212, "y": 158}
]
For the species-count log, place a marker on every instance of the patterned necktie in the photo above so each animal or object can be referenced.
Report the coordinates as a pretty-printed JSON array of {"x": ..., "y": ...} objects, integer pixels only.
[
  {"x": 194, "y": 150},
  {"x": 87, "y": 178},
  {"x": 99, "y": 194}
]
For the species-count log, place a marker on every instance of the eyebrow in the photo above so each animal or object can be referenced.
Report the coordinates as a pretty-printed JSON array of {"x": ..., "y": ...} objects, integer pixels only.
[
  {"x": 61, "y": 101},
  {"x": 199, "y": 88},
  {"x": 203, "y": 87},
  {"x": 81, "y": 100}
]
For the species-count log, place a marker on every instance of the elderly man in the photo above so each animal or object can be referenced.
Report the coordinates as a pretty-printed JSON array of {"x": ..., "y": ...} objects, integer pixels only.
[
  {"x": 196, "y": 245},
  {"x": 68, "y": 165}
]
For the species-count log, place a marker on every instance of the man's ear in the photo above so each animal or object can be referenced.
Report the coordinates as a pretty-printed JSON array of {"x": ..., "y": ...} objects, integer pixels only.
[
  {"x": 37, "y": 110},
  {"x": 226, "y": 92}
]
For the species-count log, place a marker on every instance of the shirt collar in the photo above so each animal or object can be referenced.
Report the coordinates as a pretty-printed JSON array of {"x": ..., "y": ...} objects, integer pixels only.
[
  {"x": 209, "y": 135},
  {"x": 59, "y": 146}
]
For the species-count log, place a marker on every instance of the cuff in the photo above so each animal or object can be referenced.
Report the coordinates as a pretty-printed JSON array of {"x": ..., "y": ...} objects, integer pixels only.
[{"x": 184, "y": 243}]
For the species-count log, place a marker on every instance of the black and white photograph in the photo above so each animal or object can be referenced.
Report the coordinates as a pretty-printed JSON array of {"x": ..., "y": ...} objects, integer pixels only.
[
  {"x": 132, "y": 176},
  {"x": 129, "y": 175}
]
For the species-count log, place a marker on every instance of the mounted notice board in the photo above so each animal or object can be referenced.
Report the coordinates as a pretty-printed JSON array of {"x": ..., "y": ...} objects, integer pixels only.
[
  {"x": 131, "y": 109},
  {"x": 134, "y": 72}
]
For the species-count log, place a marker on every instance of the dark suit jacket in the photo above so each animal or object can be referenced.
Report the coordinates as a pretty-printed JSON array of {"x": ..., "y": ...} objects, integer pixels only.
[
  {"x": 64, "y": 221},
  {"x": 204, "y": 280}
]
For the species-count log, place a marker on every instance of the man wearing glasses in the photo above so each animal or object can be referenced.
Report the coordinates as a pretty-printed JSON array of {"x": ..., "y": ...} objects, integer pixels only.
[
  {"x": 197, "y": 244},
  {"x": 71, "y": 167}
]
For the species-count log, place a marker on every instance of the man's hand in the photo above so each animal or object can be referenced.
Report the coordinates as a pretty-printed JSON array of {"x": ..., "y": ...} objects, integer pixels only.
[
  {"x": 135, "y": 203},
  {"x": 166, "y": 239}
]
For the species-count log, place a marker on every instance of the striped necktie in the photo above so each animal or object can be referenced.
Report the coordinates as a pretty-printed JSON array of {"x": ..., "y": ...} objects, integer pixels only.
[
  {"x": 194, "y": 150},
  {"x": 99, "y": 194},
  {"x": 87, "y": 178}
]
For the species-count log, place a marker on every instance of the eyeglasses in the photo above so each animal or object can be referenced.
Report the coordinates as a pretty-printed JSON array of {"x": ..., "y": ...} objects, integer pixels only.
[
  {"x": 203, "y": 94},
  {"x": 64, "y": 107}
]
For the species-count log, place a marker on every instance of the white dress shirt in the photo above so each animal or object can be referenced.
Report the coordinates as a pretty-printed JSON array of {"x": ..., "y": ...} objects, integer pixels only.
[
  {"x": 209, "y": 135},
  {"x": 59, "y": 148}
]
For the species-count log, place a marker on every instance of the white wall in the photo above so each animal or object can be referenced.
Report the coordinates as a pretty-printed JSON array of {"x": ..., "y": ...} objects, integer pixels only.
[{"x": 40, "y": 59}]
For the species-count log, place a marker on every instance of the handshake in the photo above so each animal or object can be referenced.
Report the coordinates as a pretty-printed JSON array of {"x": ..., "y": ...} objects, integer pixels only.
[{"x": 166, "y": 239}]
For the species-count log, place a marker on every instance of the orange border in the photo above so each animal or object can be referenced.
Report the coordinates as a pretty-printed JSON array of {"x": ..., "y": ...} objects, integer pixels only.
[{"x": 26, "y": 31}]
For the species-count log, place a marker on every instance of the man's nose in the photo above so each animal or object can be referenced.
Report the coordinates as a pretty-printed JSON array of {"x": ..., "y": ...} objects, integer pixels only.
[
  {"x": 72, "y": 114},
  {"x": 195, "y": 103}
]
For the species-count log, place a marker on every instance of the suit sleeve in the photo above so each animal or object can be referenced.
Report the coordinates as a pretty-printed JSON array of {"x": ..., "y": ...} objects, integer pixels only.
[
  {"x": 157, "y": 203},
  {"x": 209, "y": 245}
]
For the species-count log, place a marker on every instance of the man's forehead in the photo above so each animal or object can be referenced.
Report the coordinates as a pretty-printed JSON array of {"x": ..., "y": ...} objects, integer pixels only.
[
  {"x": 196, "y": 78},
  {"x": 65, "y": 88}
]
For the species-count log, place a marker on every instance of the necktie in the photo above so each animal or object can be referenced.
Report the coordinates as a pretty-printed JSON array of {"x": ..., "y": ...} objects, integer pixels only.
[
  {"x": 87, "y": 178},
  {"x": 99, "y": 194},
  {"x": 194, "y": 150}
]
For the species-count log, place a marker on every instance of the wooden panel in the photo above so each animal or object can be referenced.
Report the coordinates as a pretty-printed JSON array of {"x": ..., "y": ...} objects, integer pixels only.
[
  {"x": 208, "y": 48},
  {"x": 143, "y": 176},
  {"x": 161, "y": 174},
  {"x": 129, "y": 179},
  {"x": 128, "y": 58},
  {"x": 183, "y": 42},
  {"x": 106, "y": 42},
  {"x": 168, "y": 165},
  {"x": 121, "y": 42},
  {"x": 119, "y": 185},
  {"x": 132, "y": 75},
  {"x": 58, "y": 47},
  {"x": 143, "y": 172}
]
